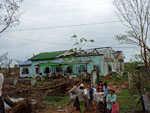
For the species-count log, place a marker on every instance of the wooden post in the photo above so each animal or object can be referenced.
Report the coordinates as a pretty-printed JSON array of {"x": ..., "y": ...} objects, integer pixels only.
[
  {"x": 15, "y": 80},
  {"x": 33, "y": 81},
  {"x": 129, "y": 80}
]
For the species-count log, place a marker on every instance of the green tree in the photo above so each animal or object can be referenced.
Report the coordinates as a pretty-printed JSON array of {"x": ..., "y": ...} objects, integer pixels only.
[
  {"x": 77, "y": 50},
  {"x": 80, "y": 43}
]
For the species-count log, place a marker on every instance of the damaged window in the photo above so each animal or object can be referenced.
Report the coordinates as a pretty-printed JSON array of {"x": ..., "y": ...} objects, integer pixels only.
[
  {"x": 47, "y": 70},
  {"x": 83, "y": 68},
  {"x": 37, "y": 70},
  {"x": 25, "y": 71},
  {"x": 69, "y": 69}
]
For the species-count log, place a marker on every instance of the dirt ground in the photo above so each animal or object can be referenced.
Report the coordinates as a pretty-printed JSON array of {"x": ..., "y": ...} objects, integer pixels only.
[
  {"x": 23, "y": 87},
  {"x": 65, "y": 110}
]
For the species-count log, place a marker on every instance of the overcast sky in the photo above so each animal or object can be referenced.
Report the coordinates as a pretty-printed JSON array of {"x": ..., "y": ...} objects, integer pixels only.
[{"x": 53, "y": 13}]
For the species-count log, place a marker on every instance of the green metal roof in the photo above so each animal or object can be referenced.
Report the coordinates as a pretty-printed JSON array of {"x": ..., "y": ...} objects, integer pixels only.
[
  {"x": 46, "y": 55},
  {"x": 49, "y": 64}
]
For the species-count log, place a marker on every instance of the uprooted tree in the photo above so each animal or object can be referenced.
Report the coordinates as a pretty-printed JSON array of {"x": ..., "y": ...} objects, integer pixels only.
[
  {"x": 135, "y": 14},
  {"x": 5, "y": 64},
  {"x": 3, "y": 60},
  {"x": 9, "y": 13}
]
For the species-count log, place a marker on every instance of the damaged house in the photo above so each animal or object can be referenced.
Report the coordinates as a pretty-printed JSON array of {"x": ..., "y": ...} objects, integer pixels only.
[{"x": 69, "y": 63}]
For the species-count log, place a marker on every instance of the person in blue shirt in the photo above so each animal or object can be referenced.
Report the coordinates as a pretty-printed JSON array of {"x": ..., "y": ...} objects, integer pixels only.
[
  {"x": 91, "y": 92},
  {"x": 106, "y": 89},
  {"x": 90, "y": 97}
]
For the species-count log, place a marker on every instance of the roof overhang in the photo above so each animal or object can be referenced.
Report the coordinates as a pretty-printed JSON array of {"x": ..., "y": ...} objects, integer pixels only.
[
  {"x": 51, "y": 64},
  {"x": 25, "y": 63}
]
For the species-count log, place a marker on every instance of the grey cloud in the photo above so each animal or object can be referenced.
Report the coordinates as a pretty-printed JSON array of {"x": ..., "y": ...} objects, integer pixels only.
[{"x": 43, "y": 13}]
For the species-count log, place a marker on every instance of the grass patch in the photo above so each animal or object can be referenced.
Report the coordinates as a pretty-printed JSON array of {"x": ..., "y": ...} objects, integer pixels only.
[
  {"x": 55, "y": 101},
  {"x": 116, "y": 78},
  {"x": 127, "y": 101}
]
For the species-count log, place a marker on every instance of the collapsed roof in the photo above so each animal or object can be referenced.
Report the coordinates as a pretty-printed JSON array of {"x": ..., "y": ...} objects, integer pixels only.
[{"x": 86, "y": 52}]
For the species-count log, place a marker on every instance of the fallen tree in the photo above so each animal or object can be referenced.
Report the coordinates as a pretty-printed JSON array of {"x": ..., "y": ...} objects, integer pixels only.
[{"x": 24, "y": 106}]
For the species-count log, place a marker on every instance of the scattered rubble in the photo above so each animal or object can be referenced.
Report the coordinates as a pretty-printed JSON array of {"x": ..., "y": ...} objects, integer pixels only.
[
  {"x": 24, "y": 106},
  {"x": 108, "y": 77}
]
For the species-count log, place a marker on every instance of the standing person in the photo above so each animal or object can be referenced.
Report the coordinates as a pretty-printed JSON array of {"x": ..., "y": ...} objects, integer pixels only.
[
  {"x": 90, "y": 97},
  {"x": 74, "y": 89},
  {"x": 2, "y": 109},
  {"x": 111, "y": 98},
  {"x": 85, "y": 84},
  {"x": 106, "y": 89},
  {"x": 95, "y": 76},
  {"x": 89, "y": 79},
  {"x": 100, "y": 87},
  {"x": 81, "y": 97},
  {"x": 73, "y": 95},
  {"x": 100, "y": 91}
]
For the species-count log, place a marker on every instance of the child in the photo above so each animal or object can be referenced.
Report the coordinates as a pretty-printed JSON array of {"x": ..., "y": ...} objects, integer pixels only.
[{"x": 100, "y": 87}]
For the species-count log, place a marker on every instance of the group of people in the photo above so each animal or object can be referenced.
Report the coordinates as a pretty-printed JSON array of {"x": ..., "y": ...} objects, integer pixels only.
[{"x": 82, "y": 94}]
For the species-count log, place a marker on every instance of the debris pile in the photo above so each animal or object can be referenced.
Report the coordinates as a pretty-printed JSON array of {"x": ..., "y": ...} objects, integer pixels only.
[
  {"x": 24, "y": 106},
  {"x": 57, "y": 76},
  {"x": 108, "y": 77},
  {"x": 58, "y": 86}
]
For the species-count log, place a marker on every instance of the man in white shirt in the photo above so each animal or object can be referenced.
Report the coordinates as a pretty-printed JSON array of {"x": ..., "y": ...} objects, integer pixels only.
[
  {"x": 73, "y": 95},
  {"x": 2, "y": 110}
]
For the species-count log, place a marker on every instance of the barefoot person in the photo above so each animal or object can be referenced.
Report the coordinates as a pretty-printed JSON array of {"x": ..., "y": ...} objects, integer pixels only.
[{"x": 2, "y": 110}]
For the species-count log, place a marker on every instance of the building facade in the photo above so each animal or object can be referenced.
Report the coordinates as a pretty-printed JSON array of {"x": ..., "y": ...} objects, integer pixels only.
[{"x": 69, "y": 63}]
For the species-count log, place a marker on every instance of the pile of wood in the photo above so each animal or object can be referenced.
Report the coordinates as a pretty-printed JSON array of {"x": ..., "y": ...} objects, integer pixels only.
[
  {"x": 57, "y": 76},
  {"x": 59, "y": 86},
  {"x": 24, "y": 106},
  {"x": 57, "y": 83}
]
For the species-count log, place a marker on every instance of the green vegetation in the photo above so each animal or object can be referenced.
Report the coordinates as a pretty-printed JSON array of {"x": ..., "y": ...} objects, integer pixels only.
[
  {"x": 55, "y": 101},
  {"x": 127, "y": 101},
  {"x": 116, "y": 78}
]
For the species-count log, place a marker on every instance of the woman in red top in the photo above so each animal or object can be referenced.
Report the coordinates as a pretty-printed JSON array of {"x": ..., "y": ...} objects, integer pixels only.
[{"x": 100, "y": 87}]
